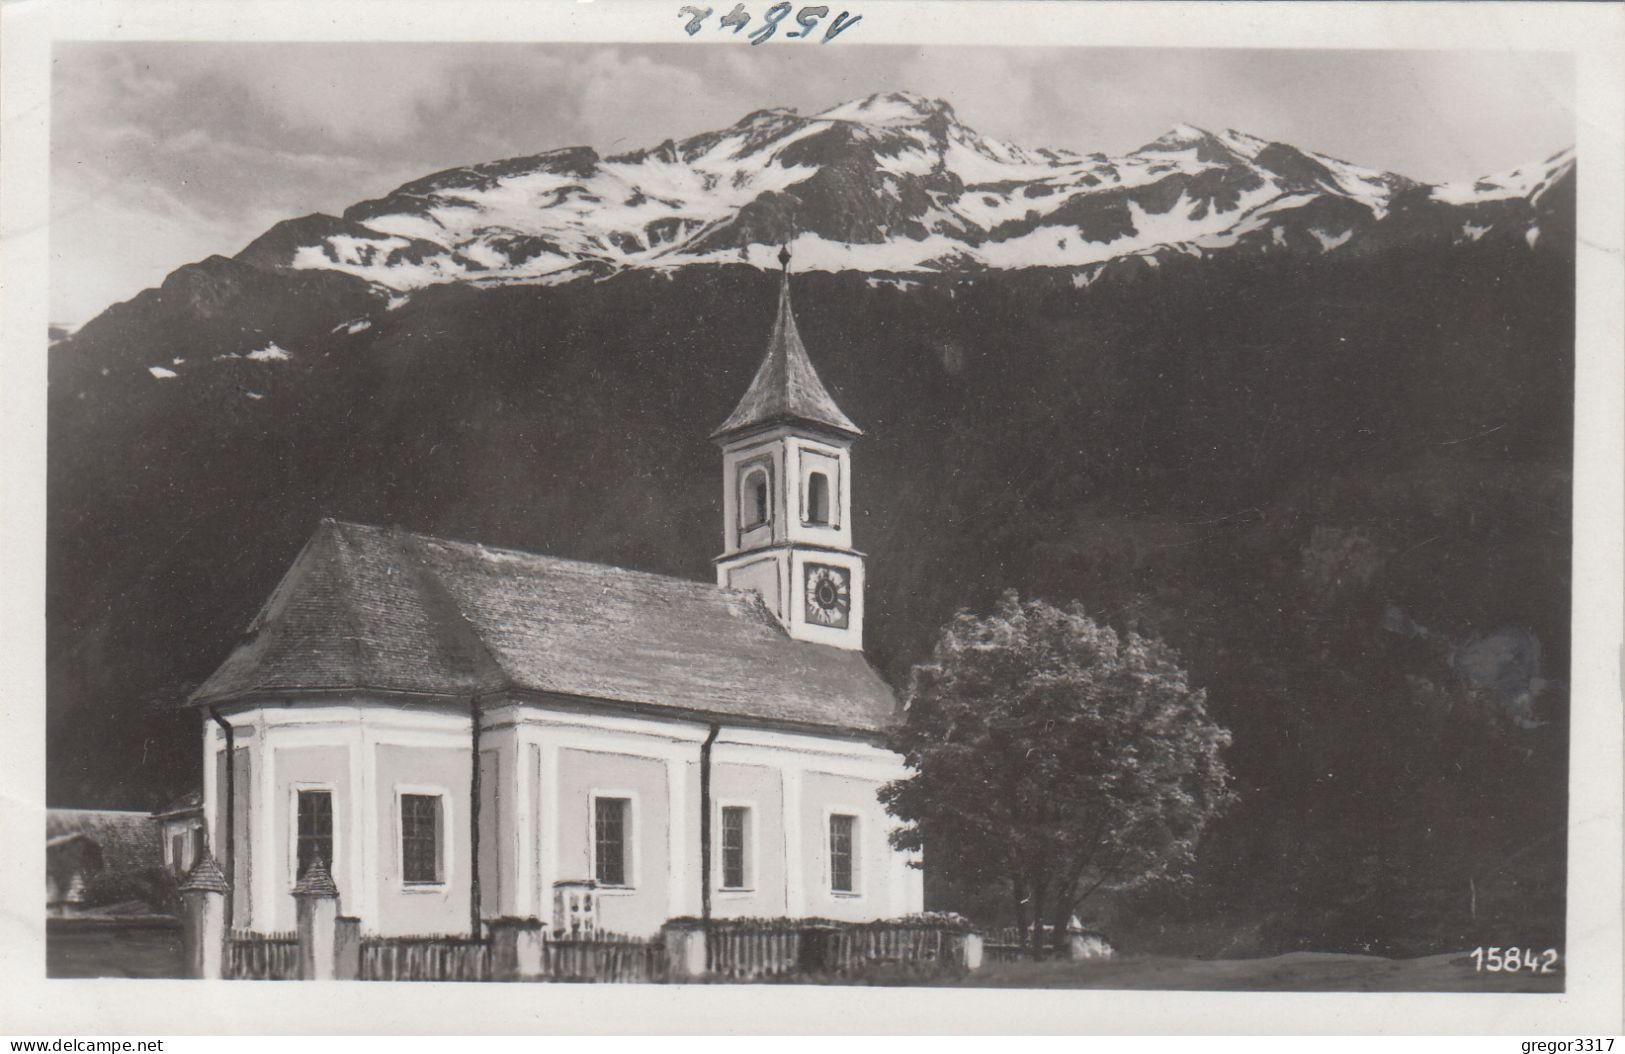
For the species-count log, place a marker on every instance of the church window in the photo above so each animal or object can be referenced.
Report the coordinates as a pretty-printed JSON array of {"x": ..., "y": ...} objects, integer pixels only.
[
  {"x": 735, "y": 820},
  {"x": 754, "y": 504},
  {"x": 420, "y": 840},
  {"x": 315, "y": 834},
  {"x": 842, "y": 855},
  {"x": 817, "y": 498},
  {"x": 611, "y": 824}
]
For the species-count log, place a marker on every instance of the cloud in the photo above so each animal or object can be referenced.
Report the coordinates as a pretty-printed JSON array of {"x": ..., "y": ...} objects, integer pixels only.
[
  {"x": 108, "y": 247},
  {"x": 344, "y": 93}
]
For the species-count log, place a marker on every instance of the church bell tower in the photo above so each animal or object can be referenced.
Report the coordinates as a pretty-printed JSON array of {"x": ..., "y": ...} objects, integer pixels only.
[{"x": 787, "y": 494}]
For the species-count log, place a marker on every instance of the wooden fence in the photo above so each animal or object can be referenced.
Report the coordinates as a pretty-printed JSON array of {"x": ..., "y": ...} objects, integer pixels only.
[
  {"x": 425, "y": 959},
  {"x": 1006, "y": 944},
  {"x": 922, "y": 947},
  {"x": 606, "y": 957},
  {"x": 738, "y": 950},
  {"x": 254, "y": 956},
  {"x": 756, "y": 948},
  {"x": 749, "y": 949}
]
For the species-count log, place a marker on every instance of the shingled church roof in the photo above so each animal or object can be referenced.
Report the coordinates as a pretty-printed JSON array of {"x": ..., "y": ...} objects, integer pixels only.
[
  {"x": 786, "y": 388},
  {"x": 369, "y": 608}
]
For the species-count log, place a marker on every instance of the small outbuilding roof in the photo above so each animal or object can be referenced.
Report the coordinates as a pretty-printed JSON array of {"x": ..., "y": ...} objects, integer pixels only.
[
  {"x": 382, "y": 609},
  {"x": 187, "y": 804},
  {"x": 128, "y": 840}
]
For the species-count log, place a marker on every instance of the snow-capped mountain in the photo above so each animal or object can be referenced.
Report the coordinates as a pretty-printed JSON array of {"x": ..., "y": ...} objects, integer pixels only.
[{"x": 891, "y": 183}]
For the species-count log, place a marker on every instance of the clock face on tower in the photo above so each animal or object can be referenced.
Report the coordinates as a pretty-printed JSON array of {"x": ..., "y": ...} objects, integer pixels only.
[{"x": 828, "y": 595}]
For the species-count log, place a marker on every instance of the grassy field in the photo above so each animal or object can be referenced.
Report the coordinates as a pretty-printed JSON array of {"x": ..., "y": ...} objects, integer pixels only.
[
  {"x": 156, "y": 952},
  {"x": 1297, "y": 972},
  {"x": 112, "y": 951}
]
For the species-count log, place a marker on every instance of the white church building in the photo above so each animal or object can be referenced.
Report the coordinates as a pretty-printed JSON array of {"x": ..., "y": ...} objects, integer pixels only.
[{"x": 653, "y": 742}]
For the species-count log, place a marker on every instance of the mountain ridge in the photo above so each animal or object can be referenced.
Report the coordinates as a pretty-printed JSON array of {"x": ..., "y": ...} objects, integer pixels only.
[{"x": 890, "y": 184}]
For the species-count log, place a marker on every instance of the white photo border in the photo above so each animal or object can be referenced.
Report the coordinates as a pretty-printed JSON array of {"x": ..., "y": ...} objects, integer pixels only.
[{"x": 29, "y": 1003}]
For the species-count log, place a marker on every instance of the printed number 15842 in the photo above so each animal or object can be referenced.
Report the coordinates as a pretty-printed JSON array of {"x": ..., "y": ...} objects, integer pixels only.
[{"x": 1511, "y": 960}]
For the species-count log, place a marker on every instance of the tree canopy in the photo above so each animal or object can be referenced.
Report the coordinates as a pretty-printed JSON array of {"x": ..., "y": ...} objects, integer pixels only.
[{"x": 1054, "y": 757}]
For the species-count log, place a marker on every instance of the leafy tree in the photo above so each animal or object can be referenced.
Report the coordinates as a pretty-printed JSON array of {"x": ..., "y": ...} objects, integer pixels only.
[{"x": 1055, "y": 758}]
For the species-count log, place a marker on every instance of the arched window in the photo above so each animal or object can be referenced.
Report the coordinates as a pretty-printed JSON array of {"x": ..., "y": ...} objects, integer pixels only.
[
  {"x": 817, "y": 498},
  {"x": 755, "y": 507}
]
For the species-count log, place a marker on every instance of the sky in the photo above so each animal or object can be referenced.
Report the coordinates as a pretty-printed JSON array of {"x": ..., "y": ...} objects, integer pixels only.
[{"x": 165, "y": 153}]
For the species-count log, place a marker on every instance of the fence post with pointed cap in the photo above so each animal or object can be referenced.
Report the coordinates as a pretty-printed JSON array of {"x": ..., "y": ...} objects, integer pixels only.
[
  {"x": 203, "y": 918},
  {"x": 317, "y": 901}
]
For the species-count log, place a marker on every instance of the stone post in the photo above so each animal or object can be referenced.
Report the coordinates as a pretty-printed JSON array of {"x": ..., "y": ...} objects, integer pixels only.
[
  {"x": 970, "y": 951},
  {"x": 817, "y": 949},
  {"x": 347, "y": 948},
  {"x": 203, "y": 918},
  {"x": 530, "y": 947},
  {"x": 75, "y": 897},
  {"x": 516, "y": 948},
  {"x": 504, "y": 948},
  {"x": 685, "y": 950},
  {"x": 316, "y": 901},
  {"x": 1083, "y": 944}
]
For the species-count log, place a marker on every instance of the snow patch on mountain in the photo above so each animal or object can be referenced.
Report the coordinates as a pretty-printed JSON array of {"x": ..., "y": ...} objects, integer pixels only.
[
  {"x": 891, "y": 108},
  {"x": 1247, "y": 146},
  {"x": 1328, "y": 242},
  {"x": 893, "y": 182},
  {"x": 1525, "y": 181},
  {"x": 270, "y": 353}
]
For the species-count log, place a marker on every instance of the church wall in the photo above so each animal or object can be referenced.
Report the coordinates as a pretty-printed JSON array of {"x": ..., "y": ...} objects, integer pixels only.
[
  {"x": 242, "y": 860},
  {"x": 850, "y": 636},
  {"x": 881, "y": 887},
  {"x": 805, "y": 456},
  {"x": 763, "y": 575},
  {"x": 307, "y": 768},
  {"x": 440, "y": 907},
  {"x": 366, "y": 752},
  {"x": 815, "y": 775},
  {"x": 531, "y": 830},
  {"x": 768, "y": 452},
  {"x": 542, "y": 766},
  {"x": 640, "y": 906},
  {"x": 758, "y": 788},
  {"x": 505, "y": 814}
]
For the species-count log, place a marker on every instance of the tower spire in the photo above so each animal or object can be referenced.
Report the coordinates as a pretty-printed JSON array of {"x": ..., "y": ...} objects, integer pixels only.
[{"x": 786, "y": 388}]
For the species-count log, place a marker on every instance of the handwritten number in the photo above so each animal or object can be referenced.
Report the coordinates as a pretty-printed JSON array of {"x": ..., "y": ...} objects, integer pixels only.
[
  {"x": 698, "y": 15},
  {"x": 770, "y": 22},
  {"x": 842, "y": 22},
  {"x": 807, "y": 18}
]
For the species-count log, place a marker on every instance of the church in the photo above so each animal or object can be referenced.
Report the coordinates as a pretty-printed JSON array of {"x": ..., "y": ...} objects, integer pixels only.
[{"x": 461, "y": 732}]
